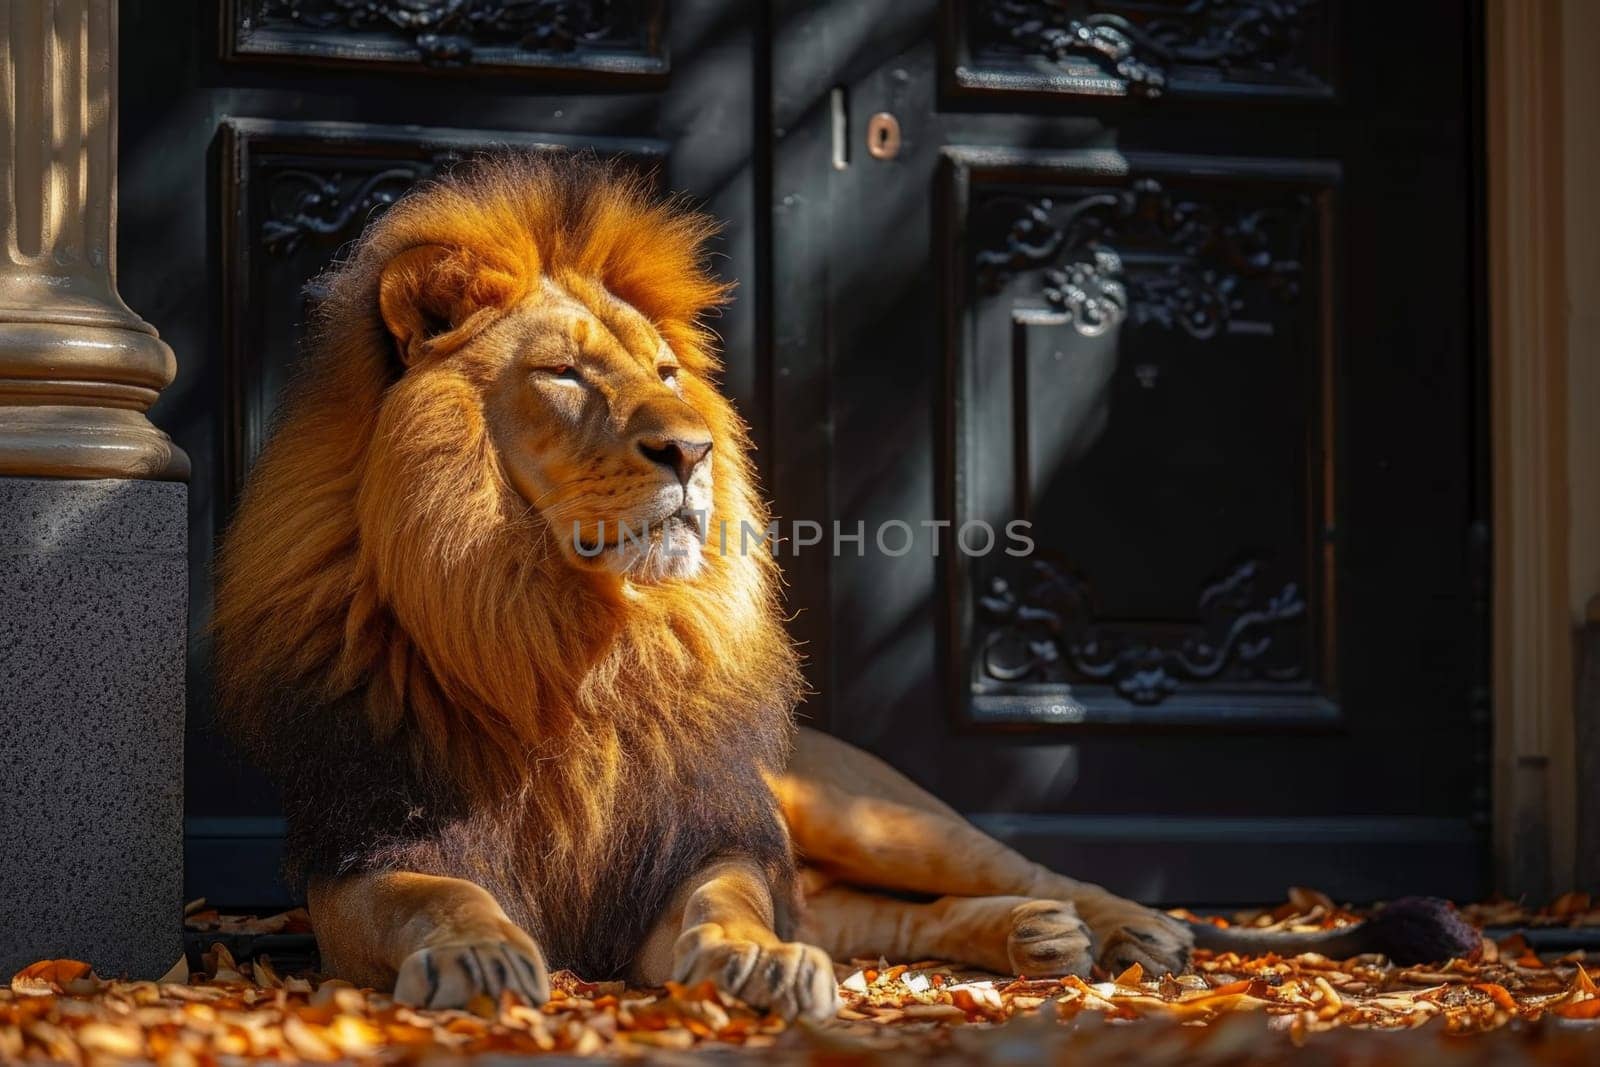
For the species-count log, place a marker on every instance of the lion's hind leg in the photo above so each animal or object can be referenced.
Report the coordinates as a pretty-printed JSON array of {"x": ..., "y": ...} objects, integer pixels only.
[
  {"x": 860, "y": 821},
  {"x": 1002, "y": 934}
]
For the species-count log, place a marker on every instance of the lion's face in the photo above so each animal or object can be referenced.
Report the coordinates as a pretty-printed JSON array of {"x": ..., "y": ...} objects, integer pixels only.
[{"x": 596, "y": 424}]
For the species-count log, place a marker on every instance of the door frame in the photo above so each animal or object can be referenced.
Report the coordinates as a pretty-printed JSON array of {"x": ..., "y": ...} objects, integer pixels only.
[{"x": 1544, "y": 371}]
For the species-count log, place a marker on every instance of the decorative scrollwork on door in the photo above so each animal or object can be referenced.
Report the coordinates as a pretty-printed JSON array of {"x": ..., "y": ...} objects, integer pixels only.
[
  {"x": 1150, "y": 48},
  {"x": 1045, "y": 629},
  {"x": 331, "y": 205},
  {"x": 1165, "y": 260},
  {"x": 1110, "y": 41},
  {"x": 602, "y": 36}
]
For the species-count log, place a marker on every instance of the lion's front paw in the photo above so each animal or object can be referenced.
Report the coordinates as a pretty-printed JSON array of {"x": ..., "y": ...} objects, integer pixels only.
[
  {"x": 1048, "y": 939},
  {"x": 789, "y": 979},
  {"x": 448, "y": 976},
  {"x": 1134, "y": 934}
]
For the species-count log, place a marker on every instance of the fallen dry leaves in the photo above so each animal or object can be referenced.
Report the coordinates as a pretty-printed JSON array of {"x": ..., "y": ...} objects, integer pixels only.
[
  {"x": 1569, "y": 910},
  {"x": 59, "y": 1010},
  {"x": 1307, "y": 909},
  {"x": 1514, "y": 1006},
  {"x": 1301, "y": 994},
  {"x": 1304, "y": 910}
]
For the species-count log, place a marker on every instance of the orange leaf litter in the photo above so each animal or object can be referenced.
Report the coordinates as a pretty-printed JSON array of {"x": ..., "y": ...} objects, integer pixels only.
[{"x": 1505, "y": 1006}]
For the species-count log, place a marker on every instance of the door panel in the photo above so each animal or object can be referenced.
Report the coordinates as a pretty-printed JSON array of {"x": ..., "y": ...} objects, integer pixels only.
[{"x": 1143, "y": 347}]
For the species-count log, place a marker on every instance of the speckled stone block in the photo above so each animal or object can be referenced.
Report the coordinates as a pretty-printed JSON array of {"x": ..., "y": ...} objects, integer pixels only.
[{"x": 93, "y": 629}]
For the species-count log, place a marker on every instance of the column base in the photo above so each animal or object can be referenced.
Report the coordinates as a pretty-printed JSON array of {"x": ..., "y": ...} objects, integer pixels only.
[
  {"x": 93, "y": 637},
  {"x": 72, "y": 441},
  {"x": 73, "y": 396}
]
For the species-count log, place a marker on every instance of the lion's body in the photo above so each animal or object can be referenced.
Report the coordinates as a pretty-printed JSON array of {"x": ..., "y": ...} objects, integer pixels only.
[
  {"x": 487, "y": 742},
  {"x": 356, "y": 803},
  {"x": 432, "y": 686}
]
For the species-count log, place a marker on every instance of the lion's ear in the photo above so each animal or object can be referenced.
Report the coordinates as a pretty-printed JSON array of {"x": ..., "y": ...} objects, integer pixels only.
[{"x": 433, "y": 298}]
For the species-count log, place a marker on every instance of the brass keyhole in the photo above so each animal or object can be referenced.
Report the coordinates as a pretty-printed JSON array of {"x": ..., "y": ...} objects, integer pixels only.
[{"x": 883, "y": 136}]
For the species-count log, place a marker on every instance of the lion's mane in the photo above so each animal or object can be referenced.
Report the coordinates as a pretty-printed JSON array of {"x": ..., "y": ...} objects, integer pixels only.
[{"x": 398, "y": 641}]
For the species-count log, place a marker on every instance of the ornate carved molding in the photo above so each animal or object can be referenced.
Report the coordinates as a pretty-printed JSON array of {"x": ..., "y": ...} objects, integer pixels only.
[
  {"x": 334, "y": 206},
  {"x": 613, "y": 35},
  {"x": 1140, "y": 45},
  {"x": 1170, "y": 261},
  {"x": 1109, "y": 41},
  {"x": 1047, "y": 632},
  {"x": 78, "y": 369}
]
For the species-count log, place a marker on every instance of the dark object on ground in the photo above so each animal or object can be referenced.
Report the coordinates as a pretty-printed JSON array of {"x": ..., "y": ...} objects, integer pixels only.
[{"x": 1409, "y": 930}]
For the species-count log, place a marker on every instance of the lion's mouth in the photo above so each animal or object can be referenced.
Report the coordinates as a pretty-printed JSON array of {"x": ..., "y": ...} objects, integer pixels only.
[{"x": 642, "y": 534}]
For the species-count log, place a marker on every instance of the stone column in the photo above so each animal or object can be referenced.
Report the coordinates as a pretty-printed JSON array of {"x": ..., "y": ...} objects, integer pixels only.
[{"x": 93, "y": 521}]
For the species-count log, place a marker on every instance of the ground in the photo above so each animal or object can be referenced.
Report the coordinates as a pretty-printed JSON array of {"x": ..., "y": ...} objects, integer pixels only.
[{"x": 1506, "y": 1005}]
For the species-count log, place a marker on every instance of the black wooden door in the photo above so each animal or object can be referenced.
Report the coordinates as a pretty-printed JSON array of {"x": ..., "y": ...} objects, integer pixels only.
[
  {"x": 258, "y": 136},
  {"x": 1190, "y": 287}
]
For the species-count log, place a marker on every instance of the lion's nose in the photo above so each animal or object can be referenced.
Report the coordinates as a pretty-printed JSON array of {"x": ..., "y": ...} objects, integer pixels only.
[{"x": 678, "y": 454}]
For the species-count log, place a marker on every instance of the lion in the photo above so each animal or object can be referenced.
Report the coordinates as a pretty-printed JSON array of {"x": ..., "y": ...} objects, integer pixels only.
[{"x": 522, "y": 710}]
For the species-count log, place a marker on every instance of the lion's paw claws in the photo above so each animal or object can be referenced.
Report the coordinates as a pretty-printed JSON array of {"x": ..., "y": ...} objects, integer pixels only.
[
  {"x": 1157, "y": 942},
  {"x": 449, "y": 976},
  {"x": 1048, "y": 940},
  {"x": 789, "y": 979}
]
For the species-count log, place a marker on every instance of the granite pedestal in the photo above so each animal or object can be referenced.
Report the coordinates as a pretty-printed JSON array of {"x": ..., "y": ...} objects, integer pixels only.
[{"x": 93, "y": 631}]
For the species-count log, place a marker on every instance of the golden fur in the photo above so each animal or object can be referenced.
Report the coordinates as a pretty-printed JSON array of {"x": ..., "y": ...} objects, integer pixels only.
[{"x": 381, "y": 554}]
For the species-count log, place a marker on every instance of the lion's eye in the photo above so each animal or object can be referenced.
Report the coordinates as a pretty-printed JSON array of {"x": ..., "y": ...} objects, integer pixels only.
[
  {"x": 669, "y": 373},
  {"x": 565, "y": 372}
]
